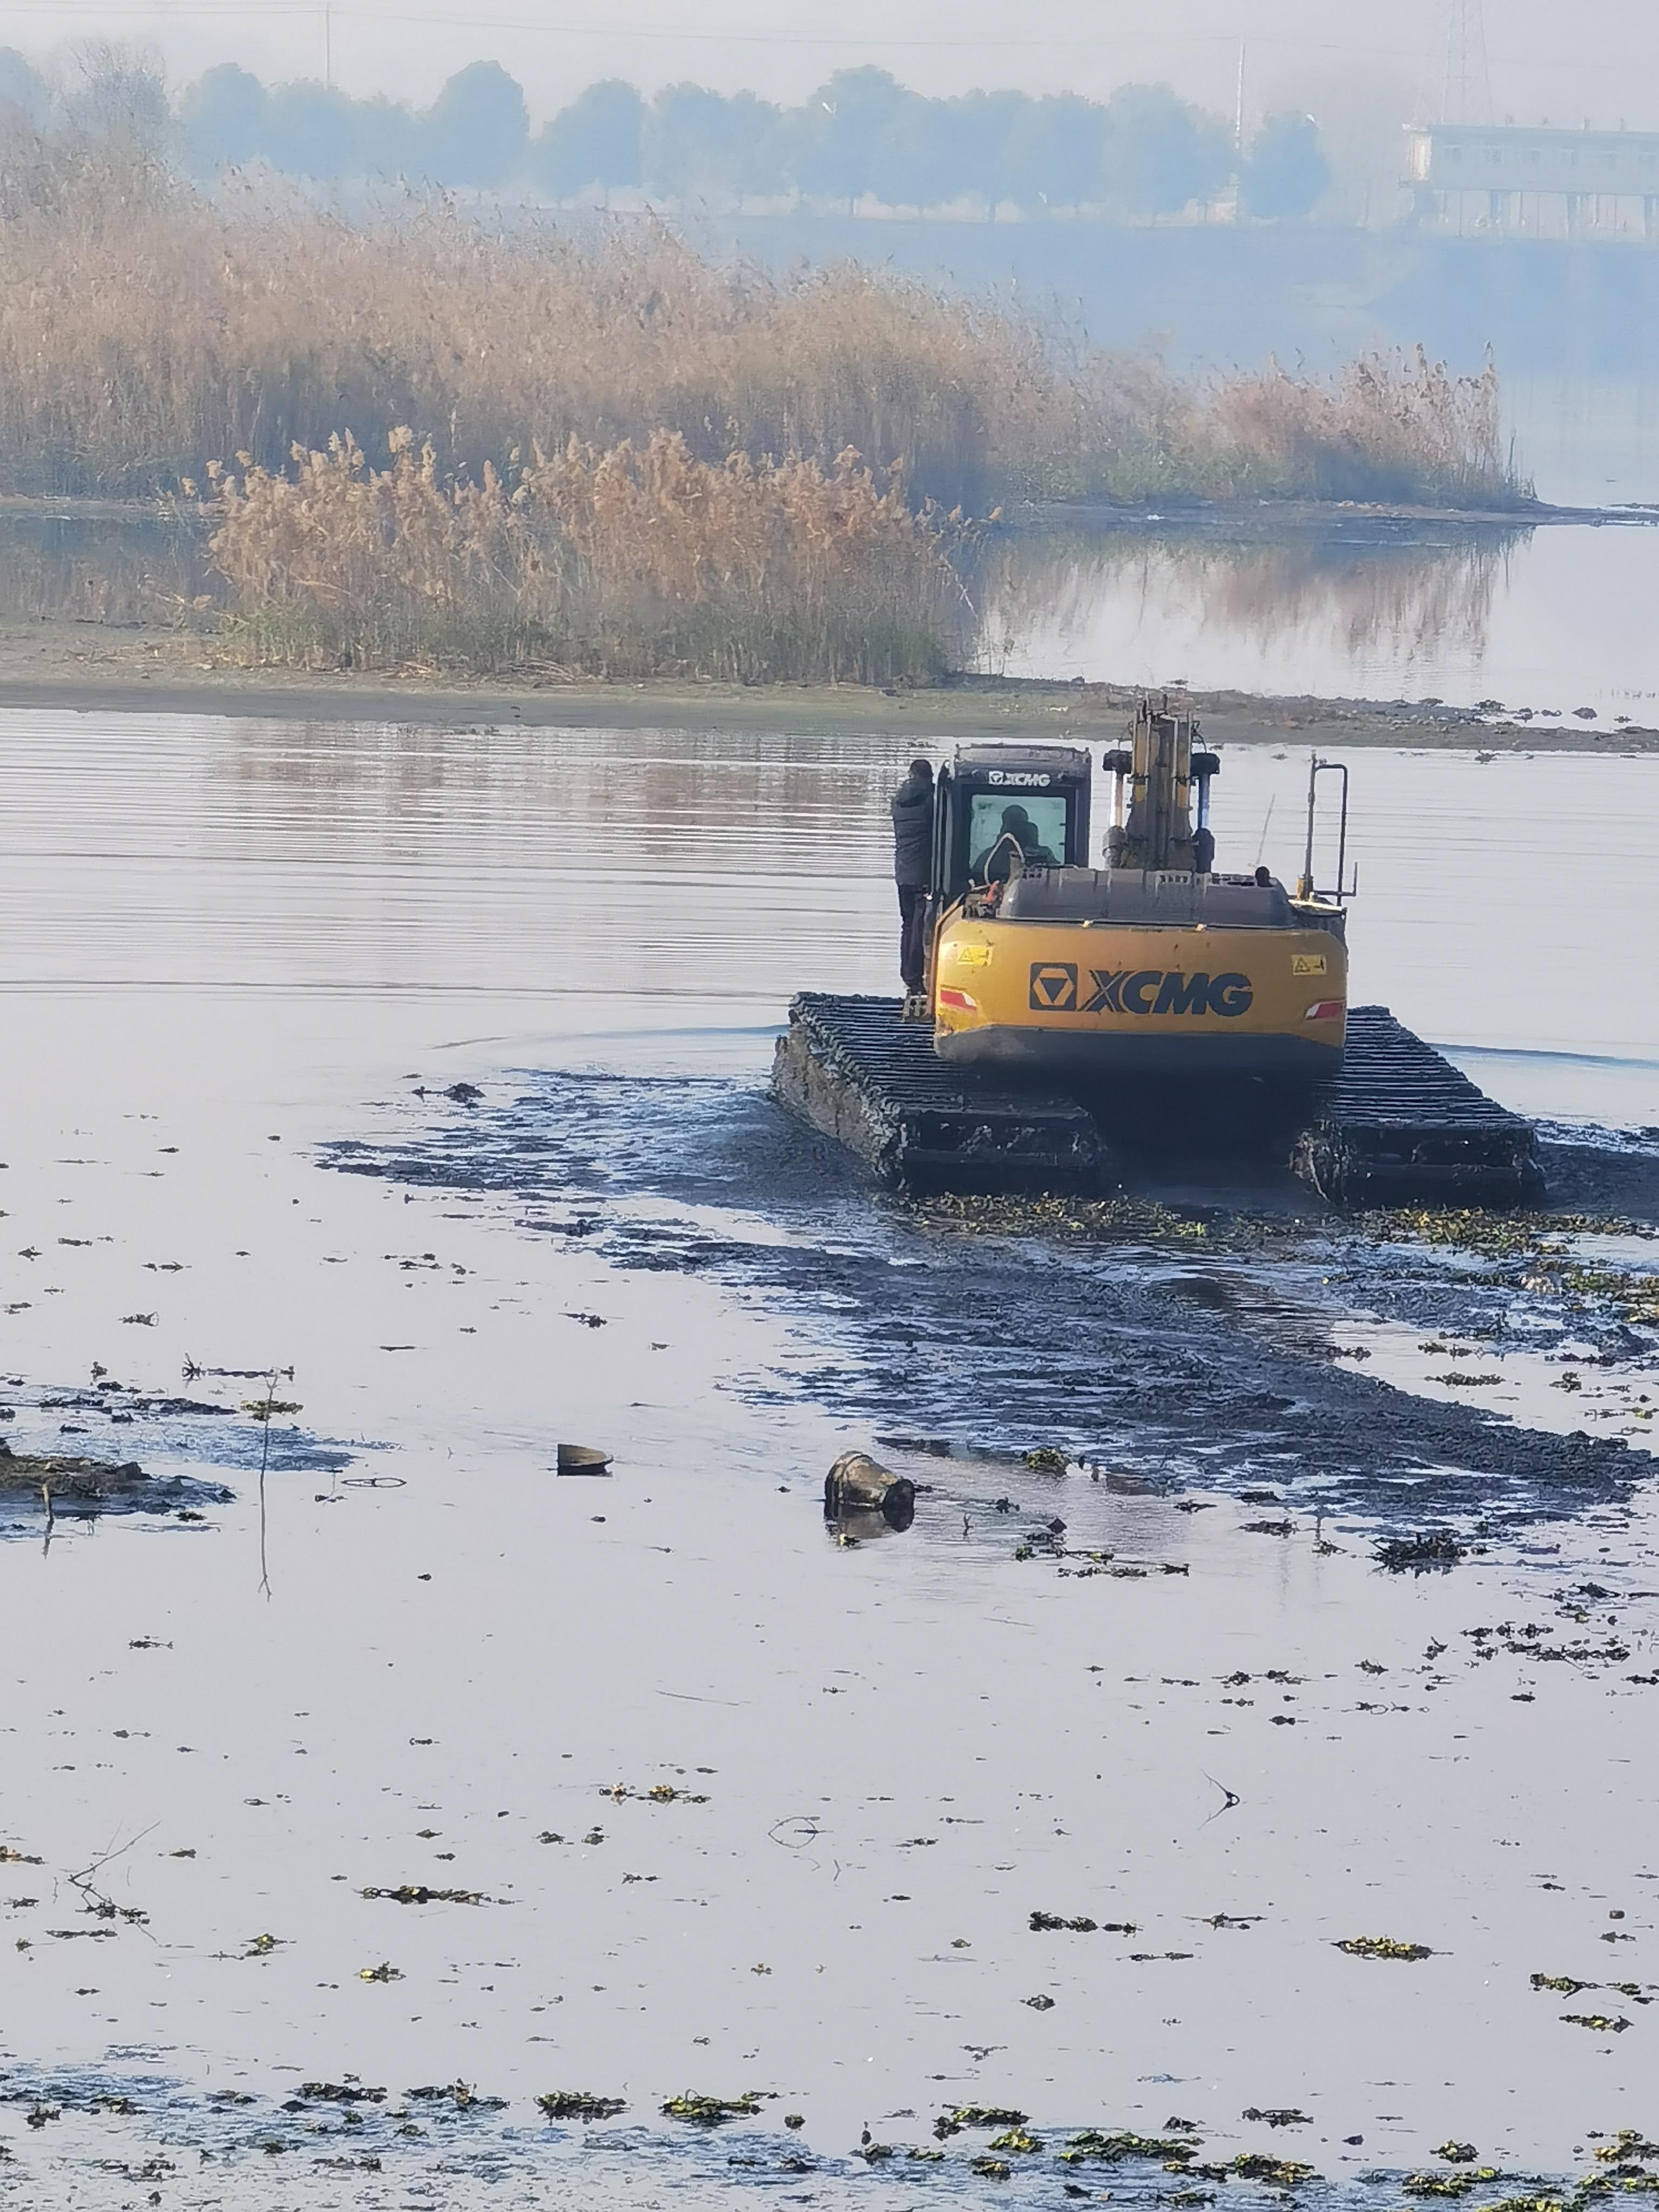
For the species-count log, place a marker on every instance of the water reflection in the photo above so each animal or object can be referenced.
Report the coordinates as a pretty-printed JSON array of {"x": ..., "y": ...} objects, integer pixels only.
[
  {"x": 1337, "y": 593},
  {"x": 104, "y": 568}
]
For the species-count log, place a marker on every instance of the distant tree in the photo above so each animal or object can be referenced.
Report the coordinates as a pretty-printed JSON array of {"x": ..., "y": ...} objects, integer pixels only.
[
  {"x": 980, "y": 125},
  {"x": 697, "y": 142},
  {"x": 387, "y": 138},
  {"x": 1286, "y": 173},
  {"x": 596, "y": 140},
  {"x": 117, "y": 101},
  {"x": 23, "y": 94},
  {"x": 222, "y": 120},
  {"x": 901, "y": 169},
  {"x": 1160, "y": 155},
  {"x": 1054, "y": 152},
  {"x": 477, "y": 130},
  {"x": 835, "y": 142},
  {"x": 312, "y": 131}
]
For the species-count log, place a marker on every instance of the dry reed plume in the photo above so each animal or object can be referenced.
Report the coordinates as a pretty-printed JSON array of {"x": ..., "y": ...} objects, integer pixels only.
[
  {"x": 633, "y": 561},
  {"x": 146, "y": 329}
]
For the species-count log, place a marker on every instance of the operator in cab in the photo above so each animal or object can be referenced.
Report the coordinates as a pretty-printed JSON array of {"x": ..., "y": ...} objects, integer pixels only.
[
  {"x": 1017, "y": 839},
  {"x": 912, "y": 857}
]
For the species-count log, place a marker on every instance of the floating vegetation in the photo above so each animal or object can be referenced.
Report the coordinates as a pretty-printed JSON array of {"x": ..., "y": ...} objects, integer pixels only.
[
  {"x": 993, "y": 2169},
  {"x": 1382, "y": 1946},
  {"x": 1278, "y": 2116},
  {"x": 1457, "y": 2154},
  {"x": 1461, "y": 1380},
  {"x": 1628, "y": 2147},
  {"x": 661, "y": 1793},
  {"x": 1045, "y": 1922},
  {"x": 1015, "y": 2140},
  {"x": 1092, "y": 2144},
  {"x": 386, "y": 1972},
  {"x": 1094, "y": 1220},
  {"x": 1431, "y": 1548},
  {"x": 417, "y": 1893},
  {"x": 582, "y": 2105},
  {"x": 1602, "y": 2023},
  {"x": 1262, "y": 2166},
  {"x": 1046, "y": 1459},
  {"x": 1457, "y": 2183},
  {"x": 712, "y": 2112},
  {"x": 347, "y": 2092},
  {"x": 977, "y": 2116},
  {"x": 463, "y": 2097}
]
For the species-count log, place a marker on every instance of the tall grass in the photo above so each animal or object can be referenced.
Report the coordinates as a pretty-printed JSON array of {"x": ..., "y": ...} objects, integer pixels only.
[
  {"x": 632, "y": 561},
  {"x": 146, "y": 329}
]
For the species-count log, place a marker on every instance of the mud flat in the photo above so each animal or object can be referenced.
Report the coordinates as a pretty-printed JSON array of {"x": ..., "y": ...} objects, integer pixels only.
[{"x": 93, "y": 667}]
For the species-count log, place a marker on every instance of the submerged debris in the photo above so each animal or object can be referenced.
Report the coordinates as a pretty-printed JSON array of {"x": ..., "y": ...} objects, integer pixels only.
[
  {"x": 61, "y": 1484},
  {"x": 858, "y": 1483}
]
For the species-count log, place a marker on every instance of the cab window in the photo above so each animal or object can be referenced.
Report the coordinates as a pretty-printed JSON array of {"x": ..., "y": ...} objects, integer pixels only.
[{"x": 1037, "y": 824}]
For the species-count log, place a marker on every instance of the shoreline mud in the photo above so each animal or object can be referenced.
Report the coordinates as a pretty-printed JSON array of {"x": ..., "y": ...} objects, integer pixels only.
[{"x": 84, "y": 667}]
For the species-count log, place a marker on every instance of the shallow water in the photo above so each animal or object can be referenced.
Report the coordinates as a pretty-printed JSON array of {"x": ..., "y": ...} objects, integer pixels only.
[{"x": 228, "y": 947}]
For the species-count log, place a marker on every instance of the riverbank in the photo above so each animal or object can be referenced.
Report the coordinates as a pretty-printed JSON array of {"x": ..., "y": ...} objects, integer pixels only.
[{"x": 98, "y": 668}]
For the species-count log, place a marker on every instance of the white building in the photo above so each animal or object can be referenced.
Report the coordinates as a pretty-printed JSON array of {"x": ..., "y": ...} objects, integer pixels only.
[{"x": 1540, "y": 182}]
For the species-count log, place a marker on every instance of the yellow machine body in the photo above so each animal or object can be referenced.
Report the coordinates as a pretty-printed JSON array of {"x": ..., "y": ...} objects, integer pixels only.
[{"x": 1099, "y": 998}]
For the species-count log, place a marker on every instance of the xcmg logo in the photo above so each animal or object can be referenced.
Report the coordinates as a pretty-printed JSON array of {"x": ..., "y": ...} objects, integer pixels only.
[{"x": 1054, "y": 990}]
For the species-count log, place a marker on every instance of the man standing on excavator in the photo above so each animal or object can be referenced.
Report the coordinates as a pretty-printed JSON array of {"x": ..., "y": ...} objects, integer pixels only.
[{"x": 912, "y": 855}]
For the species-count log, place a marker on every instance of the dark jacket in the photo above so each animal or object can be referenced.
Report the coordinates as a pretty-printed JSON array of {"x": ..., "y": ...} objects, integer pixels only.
[{"x": 913, "y": 833}]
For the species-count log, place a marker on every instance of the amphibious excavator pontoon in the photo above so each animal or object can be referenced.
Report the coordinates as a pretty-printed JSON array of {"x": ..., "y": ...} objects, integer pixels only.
[{"x": 1076, "y": 1015}]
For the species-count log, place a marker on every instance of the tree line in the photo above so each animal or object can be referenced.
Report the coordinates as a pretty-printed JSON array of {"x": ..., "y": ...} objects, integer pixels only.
[{"x": 1141, "y": 153}]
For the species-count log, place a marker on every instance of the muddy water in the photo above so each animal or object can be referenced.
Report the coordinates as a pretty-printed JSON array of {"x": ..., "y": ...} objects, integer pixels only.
[{"x": 411, "y": 1654}]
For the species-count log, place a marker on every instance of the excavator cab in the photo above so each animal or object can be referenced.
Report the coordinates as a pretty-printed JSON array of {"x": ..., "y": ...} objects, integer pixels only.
[{"x": 1000, "y": 809}]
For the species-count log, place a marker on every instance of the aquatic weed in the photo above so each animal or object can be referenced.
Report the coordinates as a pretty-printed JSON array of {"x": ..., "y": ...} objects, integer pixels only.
[
  {"x": 579, "y": 2105},
  {"x": 711, "y": 2111},
  {"x": 1382, "y": 1946}
]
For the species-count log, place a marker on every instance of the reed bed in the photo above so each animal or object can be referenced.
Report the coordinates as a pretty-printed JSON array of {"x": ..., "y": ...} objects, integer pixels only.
[
  {"x": 147, "y": 329},
  {"x": 637, "y": 560}
]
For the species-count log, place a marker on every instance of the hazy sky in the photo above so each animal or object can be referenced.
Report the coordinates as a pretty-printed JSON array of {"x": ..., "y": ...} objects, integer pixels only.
[{"x": 1597, "y": 60}]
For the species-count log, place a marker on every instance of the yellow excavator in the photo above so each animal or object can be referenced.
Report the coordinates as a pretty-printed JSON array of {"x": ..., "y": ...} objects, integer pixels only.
[
  {"x": 1078, "y": 1017},
  {"x": 1155, "y": 965}
]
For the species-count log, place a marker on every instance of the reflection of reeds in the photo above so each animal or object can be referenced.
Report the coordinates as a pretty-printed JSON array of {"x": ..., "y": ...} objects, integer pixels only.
[
  {"x": 145, "y": 330},
  {"x": 130, "y": 570},
  {"x": 633, "y": 561},
  {"x": 1401, "y": 598}
]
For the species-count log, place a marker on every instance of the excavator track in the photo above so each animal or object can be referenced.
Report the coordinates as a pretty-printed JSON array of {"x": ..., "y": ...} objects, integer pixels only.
[
  {"x": 853, "y": 1069},
  {"x": 1398, "y": 1126}
]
